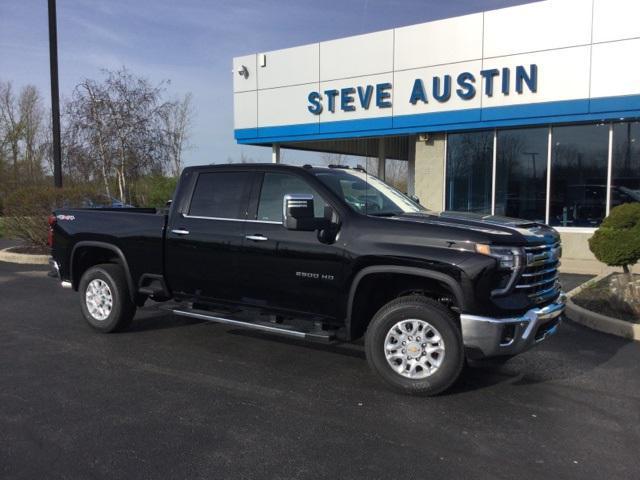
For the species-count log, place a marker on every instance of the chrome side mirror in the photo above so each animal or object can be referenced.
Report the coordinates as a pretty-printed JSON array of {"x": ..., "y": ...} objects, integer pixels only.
[{"x": 298, "y": 212}]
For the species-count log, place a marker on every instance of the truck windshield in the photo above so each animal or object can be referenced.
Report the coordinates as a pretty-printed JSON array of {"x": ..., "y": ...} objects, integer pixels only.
[{"x": 367, "y": 194}]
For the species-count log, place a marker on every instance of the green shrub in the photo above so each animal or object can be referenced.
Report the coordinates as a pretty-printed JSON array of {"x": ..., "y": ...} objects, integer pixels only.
[
  {"x": 153, "y": 191},
  {"x": 617, "y": 241},
  {"x": 26, "y": 209}
]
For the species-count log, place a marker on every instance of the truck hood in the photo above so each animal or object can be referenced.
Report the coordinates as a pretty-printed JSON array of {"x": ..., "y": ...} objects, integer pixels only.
[{"x": 501, "y": 230}]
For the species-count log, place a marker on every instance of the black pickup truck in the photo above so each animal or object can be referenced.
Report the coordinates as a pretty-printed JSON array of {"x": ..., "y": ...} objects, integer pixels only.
[{"x": 323, "y": 254}]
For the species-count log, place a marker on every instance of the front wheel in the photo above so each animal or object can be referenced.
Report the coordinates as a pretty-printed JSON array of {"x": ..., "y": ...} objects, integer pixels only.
[
  {"x": 105, "y": 300},
  {"x": 414, "y": 344}
]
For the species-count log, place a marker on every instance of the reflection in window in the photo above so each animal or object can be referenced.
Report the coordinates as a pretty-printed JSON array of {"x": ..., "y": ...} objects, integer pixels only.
[
  {"x": 221, "y": 195},
  {"x": 579, "y": 175},
  {"x": 521, "y": 173},
  {"x": 625, "y": 168},
  {"x": 275, "y": 186},
  {"x": 469, "y": 166}
]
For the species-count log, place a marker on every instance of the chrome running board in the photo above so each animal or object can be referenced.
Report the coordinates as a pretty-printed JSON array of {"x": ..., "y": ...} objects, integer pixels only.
[{"x": 284, "y": 330}]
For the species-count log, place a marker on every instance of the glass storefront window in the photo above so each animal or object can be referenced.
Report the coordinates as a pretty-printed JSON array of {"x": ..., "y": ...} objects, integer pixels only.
[
  {"x": 579, "y": 157},
  {"x": 625, "y": 167},
  {"x": 521, "y": 173},
  {"x": 469, "y": 166}
]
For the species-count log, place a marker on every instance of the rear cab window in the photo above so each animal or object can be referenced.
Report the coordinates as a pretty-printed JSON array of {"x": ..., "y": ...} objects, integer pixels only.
[{"x": 223, "y": 195}]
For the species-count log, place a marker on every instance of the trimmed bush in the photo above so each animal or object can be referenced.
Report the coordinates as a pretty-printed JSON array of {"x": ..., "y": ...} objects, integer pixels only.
[
  {"x": 26, "y": 210},
  {"x": 617, "y": 241},
  {"x": 153, "y": 191}
]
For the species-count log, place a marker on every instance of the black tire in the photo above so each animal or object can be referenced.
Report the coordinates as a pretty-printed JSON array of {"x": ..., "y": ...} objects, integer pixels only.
[
  {"x": 440, "y": 318},
  {"x": 122, "y": 308}
]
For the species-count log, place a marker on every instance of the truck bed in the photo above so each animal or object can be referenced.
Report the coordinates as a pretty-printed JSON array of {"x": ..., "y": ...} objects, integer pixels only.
[{"x": 136, "y": 232}]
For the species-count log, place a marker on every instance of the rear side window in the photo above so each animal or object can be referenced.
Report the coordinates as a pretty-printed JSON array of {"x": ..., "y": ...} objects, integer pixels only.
[
  {"x": 221, "y": 195},
  {"x": 275, "y": 186}
]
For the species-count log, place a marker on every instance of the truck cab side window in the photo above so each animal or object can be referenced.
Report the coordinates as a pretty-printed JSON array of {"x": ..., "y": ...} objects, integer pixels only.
[
  {"x": 221, "y": 195},
  {"x": 275, "y": 186}
]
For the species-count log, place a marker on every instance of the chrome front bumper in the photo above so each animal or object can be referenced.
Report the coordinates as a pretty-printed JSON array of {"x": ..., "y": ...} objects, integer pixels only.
[{"x": 490, "y": 337}]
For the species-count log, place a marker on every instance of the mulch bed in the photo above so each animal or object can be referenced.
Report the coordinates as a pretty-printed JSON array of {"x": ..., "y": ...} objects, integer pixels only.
[
  {"x": 30, "y": 250},
  {"x": 605, "y": 297}
]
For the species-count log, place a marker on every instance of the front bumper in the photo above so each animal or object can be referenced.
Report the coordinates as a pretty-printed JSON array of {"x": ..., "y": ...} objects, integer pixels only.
[{"x": 490, "y": 337}]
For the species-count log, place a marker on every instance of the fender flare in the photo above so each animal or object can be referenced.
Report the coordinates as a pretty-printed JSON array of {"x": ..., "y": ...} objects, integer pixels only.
[
  {"x": 114, "y": 249},
  {"x": 450, "y": 282}
]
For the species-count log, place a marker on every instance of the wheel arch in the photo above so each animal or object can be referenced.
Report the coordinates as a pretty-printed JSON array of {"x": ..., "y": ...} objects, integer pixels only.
[
  {"x": 355, "y": 324},
  {"x": 98, "y": 249}
]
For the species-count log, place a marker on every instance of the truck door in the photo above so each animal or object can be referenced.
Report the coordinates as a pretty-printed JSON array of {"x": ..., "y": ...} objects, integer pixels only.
[
  {"x": 284, "y": 269},
  {"x": 205, "y": 236}
]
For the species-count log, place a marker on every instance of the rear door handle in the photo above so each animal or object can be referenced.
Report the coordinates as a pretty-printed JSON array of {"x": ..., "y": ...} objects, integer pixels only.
[
  {"x": 256, "y": 238},
  {"x": 180, "y": 231}
]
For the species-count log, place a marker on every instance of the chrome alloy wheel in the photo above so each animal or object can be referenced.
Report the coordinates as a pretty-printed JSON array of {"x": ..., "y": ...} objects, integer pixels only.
[
  {"x": 99, "y": 299},
  {"x": 414, "y": 348}
]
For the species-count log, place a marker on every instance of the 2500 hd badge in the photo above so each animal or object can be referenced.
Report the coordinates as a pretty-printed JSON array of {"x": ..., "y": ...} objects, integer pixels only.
[{"x": 317, "y": 276}]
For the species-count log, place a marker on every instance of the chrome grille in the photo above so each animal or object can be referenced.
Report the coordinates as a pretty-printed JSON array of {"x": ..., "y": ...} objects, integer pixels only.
[{"x": 539, "y": 279}]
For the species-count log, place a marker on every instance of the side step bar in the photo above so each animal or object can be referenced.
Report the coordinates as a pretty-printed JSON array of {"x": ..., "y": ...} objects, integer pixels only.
[{"x": 316, "y": 336}]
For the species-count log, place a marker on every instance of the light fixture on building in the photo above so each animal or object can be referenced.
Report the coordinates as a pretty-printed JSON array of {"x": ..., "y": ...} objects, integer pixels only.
[
  {"x": 423, "y": 137},
  {"x": 262, "y": 60}
]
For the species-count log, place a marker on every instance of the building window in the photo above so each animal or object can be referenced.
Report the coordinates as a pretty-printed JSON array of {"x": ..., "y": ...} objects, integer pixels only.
[
  {"x": 579, "y": 160},
  {"x": 469, "y": 167},
  {"x": 521, "y": 173},
  {"x": 625, "y": 167}
]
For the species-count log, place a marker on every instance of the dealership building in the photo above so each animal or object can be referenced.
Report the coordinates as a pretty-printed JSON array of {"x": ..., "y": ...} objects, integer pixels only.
[{"x": 530, "y": 111}]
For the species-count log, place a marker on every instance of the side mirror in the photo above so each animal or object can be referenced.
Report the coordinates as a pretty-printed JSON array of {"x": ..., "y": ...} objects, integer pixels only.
[
  {"x": 415, "y": 198},
  {"x": 298, "y": 212}
]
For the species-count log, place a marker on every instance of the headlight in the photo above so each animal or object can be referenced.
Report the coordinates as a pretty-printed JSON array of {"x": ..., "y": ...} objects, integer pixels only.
[{"x": 509, "y": 258}]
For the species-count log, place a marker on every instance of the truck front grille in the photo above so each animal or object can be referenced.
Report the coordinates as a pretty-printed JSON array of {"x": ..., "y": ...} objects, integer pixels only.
[{"x": 539, "y": 279}]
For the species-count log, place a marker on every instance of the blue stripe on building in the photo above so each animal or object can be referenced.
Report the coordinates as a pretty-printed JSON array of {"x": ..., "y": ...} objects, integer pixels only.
[{"x": 584, "y": 110}]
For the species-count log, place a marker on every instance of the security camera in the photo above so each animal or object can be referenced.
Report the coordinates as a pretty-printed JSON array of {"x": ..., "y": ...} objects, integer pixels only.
[{"x": 243, "y": 72}]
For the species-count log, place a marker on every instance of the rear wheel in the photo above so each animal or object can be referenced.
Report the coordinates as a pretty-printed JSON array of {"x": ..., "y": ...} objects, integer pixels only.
[
  {"x": 105, "y": 299},
  {"x": 414, "y": 344}
]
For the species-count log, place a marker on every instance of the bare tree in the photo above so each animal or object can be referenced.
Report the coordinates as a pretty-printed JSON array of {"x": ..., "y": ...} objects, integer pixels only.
[
  {"x": 34, "y": 138},
  {"x": 88, "y": 132},
  {"x": 11, "y": 125},
  {"x": 125, "y": 126},
  {"x": 23, "y": 140},
  {"x": 243, "y": 159},
  {"x": 396, "y": 174},
  {"x": 177, "y": 119},
  {"x": 332, "y": 158}
]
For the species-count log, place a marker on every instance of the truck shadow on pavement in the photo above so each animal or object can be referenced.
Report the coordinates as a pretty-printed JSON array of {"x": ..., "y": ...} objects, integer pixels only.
[
  {"x": 573, "y": 352},
  {"x": 154, "y": 319}
]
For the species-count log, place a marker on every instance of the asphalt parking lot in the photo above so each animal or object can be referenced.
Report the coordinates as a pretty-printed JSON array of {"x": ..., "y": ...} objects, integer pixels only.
[{"x": 175, "y": 398}]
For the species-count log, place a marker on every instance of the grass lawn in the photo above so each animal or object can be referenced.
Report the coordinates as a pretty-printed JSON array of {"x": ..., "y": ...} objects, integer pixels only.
[{"x": 2, "y": 234}]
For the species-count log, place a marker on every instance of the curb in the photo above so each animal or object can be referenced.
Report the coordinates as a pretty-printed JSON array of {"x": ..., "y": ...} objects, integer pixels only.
[
  {"x": 6, "y": 255},
  {"x": 597, "y": 321}
]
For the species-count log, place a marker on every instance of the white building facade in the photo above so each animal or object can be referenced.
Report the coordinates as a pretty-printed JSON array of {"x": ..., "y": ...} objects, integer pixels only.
[{"x": 529, "y": 111}]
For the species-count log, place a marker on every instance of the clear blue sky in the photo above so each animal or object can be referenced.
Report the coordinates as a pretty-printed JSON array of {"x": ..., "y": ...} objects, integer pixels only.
[{"x": 192, "y": 43}]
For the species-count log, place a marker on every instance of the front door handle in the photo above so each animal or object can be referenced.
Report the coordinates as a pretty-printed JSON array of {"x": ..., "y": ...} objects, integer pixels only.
[
  {"x": 180, "y": 231},
  {"x": 256, "y": 238}
]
